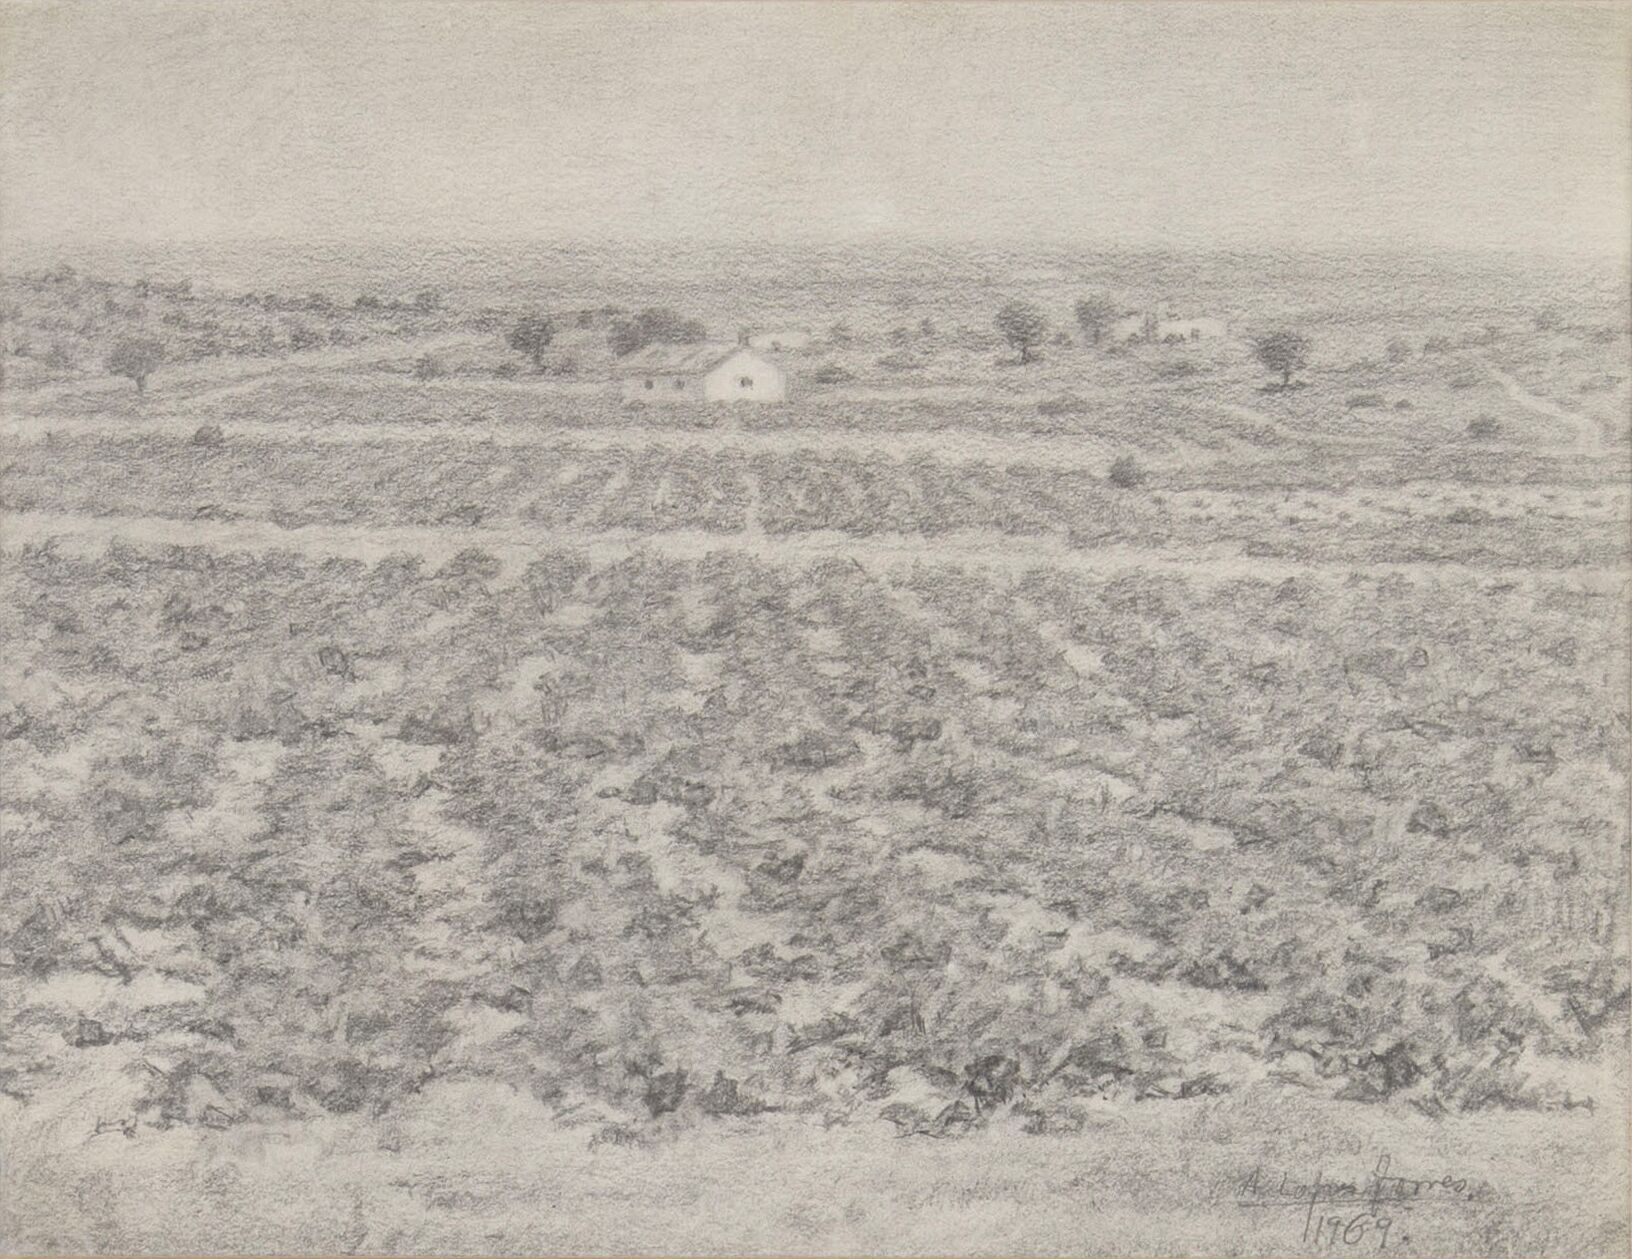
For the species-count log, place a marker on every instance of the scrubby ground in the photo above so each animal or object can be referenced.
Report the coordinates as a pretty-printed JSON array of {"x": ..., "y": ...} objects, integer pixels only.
[{"x": 875, "y": 784}]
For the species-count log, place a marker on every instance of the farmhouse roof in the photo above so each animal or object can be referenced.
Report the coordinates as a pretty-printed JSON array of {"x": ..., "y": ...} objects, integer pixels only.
[{"x": 682, "y": 359}]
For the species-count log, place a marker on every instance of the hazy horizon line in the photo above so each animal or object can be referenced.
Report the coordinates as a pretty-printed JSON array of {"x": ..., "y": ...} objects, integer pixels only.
[{"x": 44, "y": 244}]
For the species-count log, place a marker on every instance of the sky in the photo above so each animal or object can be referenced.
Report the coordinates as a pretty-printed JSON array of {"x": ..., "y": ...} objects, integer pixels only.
[{"x": 1297, "y": 124}]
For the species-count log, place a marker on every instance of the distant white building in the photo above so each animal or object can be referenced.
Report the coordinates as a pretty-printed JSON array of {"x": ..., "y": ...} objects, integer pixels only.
[
  {"x": 709, "y": 372},
  {"x": 786, "y": 339},
  {"x": 1161, "y": 325},
  {"x": 1189, "y": 329}
]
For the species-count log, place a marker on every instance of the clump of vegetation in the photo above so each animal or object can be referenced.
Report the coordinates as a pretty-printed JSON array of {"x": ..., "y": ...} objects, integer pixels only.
[
  {"x": 1362, "y": 400},
  {"x": 1483, "y": 427},
  {"x": 1437, "y": 345},
  {"x": 532, "y": 337},
  {"x": 1023, "y": 326},
  {"x": 136, "y": 358},
  {"x": 656, "y": 325},
  {"x": 208, "y": 435},
  {"x": 1399, "y": 350},
  {"x": 1285, "y": 353},
  {"x": 429, "y": 367},
  {"x": 1126, "y": 473},
  {"x": 1094, "y": 314},
  {"x": 832, "y": 374}
]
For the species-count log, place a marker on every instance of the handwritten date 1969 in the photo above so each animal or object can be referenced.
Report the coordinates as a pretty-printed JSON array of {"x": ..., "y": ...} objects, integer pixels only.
[{"x": 1341, "y": 1232}]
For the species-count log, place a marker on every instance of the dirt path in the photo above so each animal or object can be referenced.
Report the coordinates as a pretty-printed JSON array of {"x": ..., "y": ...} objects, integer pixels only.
[
  {"x": 185, "y": 385},
  {"x": 515, "y": 546},
  {"x": 1589, "y": 436}
]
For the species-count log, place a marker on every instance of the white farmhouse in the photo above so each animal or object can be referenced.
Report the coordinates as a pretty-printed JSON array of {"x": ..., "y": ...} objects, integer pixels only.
[{"x": 709, "y": 372}]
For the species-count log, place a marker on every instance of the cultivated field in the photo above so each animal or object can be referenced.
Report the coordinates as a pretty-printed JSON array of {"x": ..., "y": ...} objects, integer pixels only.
[{"x": 1093, "y": 758}]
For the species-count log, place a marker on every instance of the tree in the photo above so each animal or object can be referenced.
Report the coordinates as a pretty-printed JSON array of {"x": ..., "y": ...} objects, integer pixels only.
[
  {"x": 1283, "y": 352},
  {"x": 659, "y": 323},
  {"x": 624, "y": 336},
  {"x": 1093, "y": 313},
  {"x": 532, "y": 336},
  {"x": 1022, "y": 326},
  {"x": 137, "y": 358},
  {"x": 655, "y": 324}
]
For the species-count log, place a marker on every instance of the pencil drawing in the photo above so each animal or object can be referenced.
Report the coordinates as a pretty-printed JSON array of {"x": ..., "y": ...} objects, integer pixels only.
[{"x": 814, "y": 629}]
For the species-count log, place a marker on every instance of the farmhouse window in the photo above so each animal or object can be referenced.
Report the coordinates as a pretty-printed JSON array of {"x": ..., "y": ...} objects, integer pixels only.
[
  {"x": 648, "y": 382},
  {"x": 747, "y": 382}
]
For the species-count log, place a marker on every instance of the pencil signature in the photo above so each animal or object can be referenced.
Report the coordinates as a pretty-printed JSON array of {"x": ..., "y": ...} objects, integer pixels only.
[{"x": 1339, "y": 1212}]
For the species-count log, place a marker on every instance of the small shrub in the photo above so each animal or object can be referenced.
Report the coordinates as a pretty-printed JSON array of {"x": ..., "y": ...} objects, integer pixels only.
[
  {"x": 429, "y": 367},
  {"x": 136, "y": 358},
  {"x": 1125, "y": 473},
  {"x": 1436, "y": 345},
  {"x": 302, "y": 337},
  {"x": 832, "y": 374},
  {"x": 1483, "y": 428},
  {"x": 1399, "y": 350},
  {"x": 208, "y": 435},
  {"x": 1405, "y": 404}
]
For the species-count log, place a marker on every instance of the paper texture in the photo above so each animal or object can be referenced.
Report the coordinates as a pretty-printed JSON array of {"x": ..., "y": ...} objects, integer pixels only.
[{"x": 814, "y": 628}]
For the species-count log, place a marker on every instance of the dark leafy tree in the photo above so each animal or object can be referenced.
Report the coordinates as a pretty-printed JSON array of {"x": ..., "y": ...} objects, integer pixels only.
[
  {"x": 1023, "y": 326},
  {"x": 136, "y": 358},
  {"x": 1093, "y": 314},
  {"x": 654, "y": 325},
  {"x": 532, "y": 336},
  {"x": 1285, "y": 353},
  {"x": 624, "y": 336}
]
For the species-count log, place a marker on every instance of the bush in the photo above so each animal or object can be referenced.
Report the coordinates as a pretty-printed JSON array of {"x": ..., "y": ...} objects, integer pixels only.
[
  {"x": 429, "y": 367},
  {"x": 1126, "y": 473},
  {"x": 208, "y": 435},
  {"x": 136, "y": 358},
  {"x": 1483, "y": 428},
  {"x": 302, "y": 337},
  {"x": 1436, "y": 345},
  {"x": 832, "y": 374}
]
